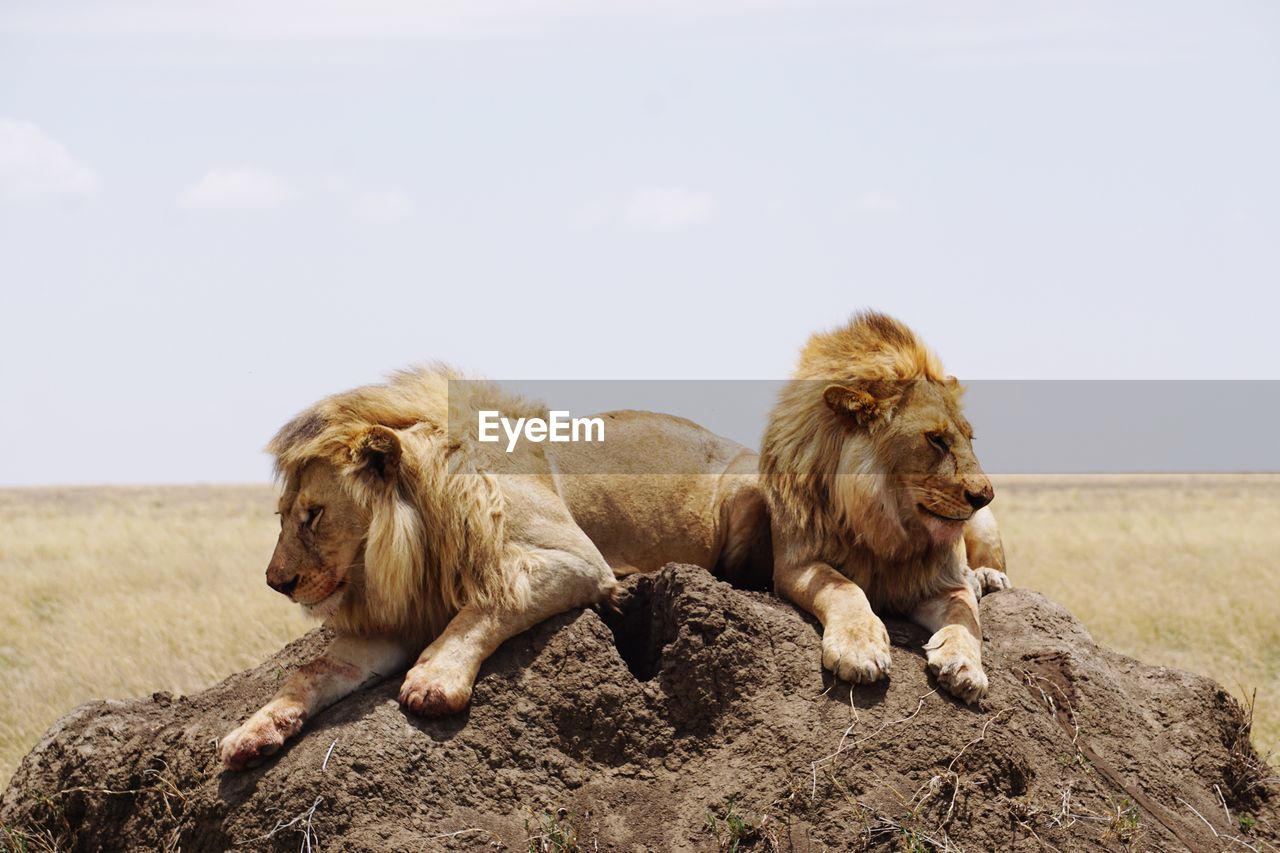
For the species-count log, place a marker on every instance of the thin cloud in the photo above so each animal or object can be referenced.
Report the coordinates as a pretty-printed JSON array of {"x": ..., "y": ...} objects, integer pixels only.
[
  {"x": 35, "y": 165},
  {"x": 288, "y": 19},
  {"x": 383, "y": 207},
  {"x": 1003, "y": 33},
  {"x": 1008, "y": 34},
  {"x": 236, "y": 189},
  {"x": 668, "y": 208},
  {"x": 349, "y": 20}
]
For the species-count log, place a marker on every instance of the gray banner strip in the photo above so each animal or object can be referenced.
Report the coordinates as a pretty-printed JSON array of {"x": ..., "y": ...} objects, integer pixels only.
[{"x": 1020, "y": 426}]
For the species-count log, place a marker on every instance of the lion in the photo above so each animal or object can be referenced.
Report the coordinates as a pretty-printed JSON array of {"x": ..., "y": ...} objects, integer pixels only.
[
  {"x": 409, "y": 537},
  {"x": 873, "y": 487}
]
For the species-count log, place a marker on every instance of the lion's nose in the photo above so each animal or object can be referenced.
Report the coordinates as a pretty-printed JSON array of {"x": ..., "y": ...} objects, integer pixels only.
[
  {"x": 284, "y": 587},
  {"x": 980, "y": 498}
]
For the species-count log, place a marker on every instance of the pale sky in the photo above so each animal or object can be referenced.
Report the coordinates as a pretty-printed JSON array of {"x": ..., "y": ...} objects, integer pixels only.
[{"x": 213, "y": 214}]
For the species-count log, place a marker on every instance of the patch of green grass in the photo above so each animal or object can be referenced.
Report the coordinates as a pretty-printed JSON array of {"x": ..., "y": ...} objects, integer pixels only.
[
  {"x": 20, "y": 841},
  {"x": 731, "y": 830},
  {"x": 734, "y": 831},
  {"x": 1124, "y": 825},
  {"x": 553, "y": 832},
  {"x": 913, "y": 843}
]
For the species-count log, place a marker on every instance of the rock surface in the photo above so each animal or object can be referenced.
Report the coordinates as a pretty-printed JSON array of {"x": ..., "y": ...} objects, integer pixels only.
[{"x": 696, "y": 718}]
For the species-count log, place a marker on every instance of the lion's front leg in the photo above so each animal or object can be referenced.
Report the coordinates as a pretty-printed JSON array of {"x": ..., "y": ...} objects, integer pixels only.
[
  {"x": 954, "y": 652},
  {"x": 557, "y": 580},
  {"x": 855, "y": 644},
  {"x": 984, "y": 552},
  {"x": 986, "y": 580},
  {"x": 348, "y": 664},
  {"x": 262, "y": 734},
  {"x": 440, "y": 682}
]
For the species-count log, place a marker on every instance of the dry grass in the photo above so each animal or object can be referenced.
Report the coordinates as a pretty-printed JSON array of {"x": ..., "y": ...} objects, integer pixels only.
[
  {"x": 1182, "y": 571},
  {"x": 122, "y": 592}
]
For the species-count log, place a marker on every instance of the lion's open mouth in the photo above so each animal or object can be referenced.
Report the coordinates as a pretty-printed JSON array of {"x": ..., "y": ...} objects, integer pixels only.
[{"x": 942, "y": 517}]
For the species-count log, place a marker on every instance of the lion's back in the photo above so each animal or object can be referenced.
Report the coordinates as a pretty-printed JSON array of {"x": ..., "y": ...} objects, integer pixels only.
[{"x": 653, "y": 490}]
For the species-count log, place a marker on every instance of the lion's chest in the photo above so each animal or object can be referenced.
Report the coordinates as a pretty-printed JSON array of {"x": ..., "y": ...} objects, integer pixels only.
[{"x": 892, "y": 586}]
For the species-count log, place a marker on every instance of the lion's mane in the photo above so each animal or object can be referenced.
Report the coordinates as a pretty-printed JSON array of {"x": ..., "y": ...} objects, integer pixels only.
[
  {"x": 436, "y": 539},
  {"x": 831, "y": 486}
]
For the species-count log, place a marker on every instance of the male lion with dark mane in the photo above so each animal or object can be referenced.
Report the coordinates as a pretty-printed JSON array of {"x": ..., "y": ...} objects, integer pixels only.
[
  {"x": 872, "y": 486},
  {"x": 408, "y": 536}
]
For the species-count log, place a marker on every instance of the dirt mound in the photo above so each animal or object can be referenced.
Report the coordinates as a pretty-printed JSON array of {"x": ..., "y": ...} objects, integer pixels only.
[{"x": 696, "y": 719}]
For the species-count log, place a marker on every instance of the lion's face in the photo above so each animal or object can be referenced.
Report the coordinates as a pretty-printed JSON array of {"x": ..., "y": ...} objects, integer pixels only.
[
  {"x": 922, "y": 448},
  {"x": 321, "y": 544}
]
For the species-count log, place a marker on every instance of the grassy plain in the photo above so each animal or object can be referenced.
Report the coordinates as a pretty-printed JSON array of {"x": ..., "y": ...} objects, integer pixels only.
[
  {"x": 118, "y": 592},
  {"x": 1181, "y": 571}
]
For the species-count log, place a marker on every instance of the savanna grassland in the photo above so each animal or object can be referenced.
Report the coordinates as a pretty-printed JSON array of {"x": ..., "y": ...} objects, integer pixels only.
[
  {"x": 1177, "y": 570},
  {"x": 118, "y": 592}
]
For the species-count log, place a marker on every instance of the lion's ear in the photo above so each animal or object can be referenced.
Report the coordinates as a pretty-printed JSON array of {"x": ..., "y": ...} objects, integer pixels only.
[
  {"x": 866, "y": 402},
  {"x": 376, "y": 451}
]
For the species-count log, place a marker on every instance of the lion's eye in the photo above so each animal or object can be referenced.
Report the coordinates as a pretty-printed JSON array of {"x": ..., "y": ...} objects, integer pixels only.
[
  {"x": 313, "y": 516},
  {"x": 939, "y": 441}
]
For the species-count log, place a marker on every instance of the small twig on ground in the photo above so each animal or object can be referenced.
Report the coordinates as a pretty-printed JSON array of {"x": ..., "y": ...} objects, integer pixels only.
[
  {"x": 1041, "y": 841},
  {"x": 1031, "y": 679},
  {"x": 456, "y": 834},
  {"x": 840, "y": 747},
  {"x": 1064, "y": 810},
  {"x": 308, "y": 834},
  {"x": 163, "y": 786},
  {"x": 949, "y": 775},
  {"x": 1197, "y": 814},
  {"x": 1232, "y": 838},
  {"x": 1223, "y": 800},
  {"x": 325, "y": 765},
  {"x": 981, "y": 737},
  {"x": 888, "y": 824}
]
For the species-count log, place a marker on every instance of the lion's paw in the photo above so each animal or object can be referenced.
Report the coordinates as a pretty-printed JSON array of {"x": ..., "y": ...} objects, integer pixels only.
[
  {"x": 955, "y": 659},
  {"x": 260, "y": 736},
  {"x": 429, "y": 692},
  {"x": 988, "y": 580},
  {"x": 857, "y": 651}
]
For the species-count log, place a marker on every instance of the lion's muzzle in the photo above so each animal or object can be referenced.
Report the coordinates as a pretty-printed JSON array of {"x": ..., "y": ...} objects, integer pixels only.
[
  {"x": 978, "y": 492},
  {"x": 284, "y": 587}
]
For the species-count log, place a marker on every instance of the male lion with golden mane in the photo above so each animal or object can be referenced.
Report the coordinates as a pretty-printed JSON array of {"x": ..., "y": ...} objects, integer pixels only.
[
  {"x": 409, "y": 537},
  {"x": 872, "y": 487}
]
